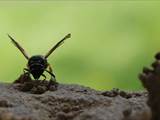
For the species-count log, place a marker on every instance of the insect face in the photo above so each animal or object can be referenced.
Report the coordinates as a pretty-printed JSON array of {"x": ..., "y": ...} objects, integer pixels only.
[{"x": 36, "y": 65}]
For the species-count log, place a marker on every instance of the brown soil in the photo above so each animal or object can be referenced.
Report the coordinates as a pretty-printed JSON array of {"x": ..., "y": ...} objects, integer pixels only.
[
  {"x": 150, "y": 77},
  {"x": 26, "y": 84},
  {"x": 35, "y": 100}
]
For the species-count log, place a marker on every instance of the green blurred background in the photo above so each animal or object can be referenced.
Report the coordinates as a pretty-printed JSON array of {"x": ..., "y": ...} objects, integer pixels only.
[{"x": 111, "y": 41}]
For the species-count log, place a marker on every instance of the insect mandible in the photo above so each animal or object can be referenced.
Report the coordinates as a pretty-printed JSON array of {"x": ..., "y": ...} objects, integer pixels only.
[{"x": 37, "y": 64}]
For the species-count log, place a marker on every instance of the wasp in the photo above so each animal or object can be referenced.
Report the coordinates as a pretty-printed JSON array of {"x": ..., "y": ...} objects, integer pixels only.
[{"x": 37, "y": 64}]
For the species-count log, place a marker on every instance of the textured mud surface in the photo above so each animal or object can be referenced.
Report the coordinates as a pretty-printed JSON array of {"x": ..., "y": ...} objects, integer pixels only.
[
  {"x": 71, "y": 102},
  {"x": 150, "y": 78},
  {"x": 26, "y": 84}
]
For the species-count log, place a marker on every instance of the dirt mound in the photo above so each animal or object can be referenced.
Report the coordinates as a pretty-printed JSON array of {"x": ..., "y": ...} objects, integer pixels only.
[
  {"x": 70, "y": 102},
  {"x": 150, "y": 78},
  {"x": 26, "y": 84}
]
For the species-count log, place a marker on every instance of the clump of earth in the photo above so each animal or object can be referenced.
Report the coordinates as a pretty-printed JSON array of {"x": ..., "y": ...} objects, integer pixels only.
[
  {"x": 27, "y": 99},
  {"x": 26, "y": 84}
]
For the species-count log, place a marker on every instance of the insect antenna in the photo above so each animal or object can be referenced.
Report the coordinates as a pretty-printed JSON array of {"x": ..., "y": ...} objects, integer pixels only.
[
  {"x": 19, "y": 47},
  {"x": 57, "y": 45}
]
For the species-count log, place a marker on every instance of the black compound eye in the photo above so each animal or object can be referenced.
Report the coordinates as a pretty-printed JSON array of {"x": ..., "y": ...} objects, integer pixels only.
[{"x": 37, "y": 60}]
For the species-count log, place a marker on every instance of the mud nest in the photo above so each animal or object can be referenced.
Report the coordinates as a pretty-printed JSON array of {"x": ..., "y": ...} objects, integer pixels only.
[
  {"x": 150, "y": 78},
  {"x": 26, "y": 84}
]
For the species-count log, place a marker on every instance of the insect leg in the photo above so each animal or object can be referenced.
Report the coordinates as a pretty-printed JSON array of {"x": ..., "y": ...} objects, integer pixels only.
[
  {"x": 52, "y": 80},
  {"x": 44, "y": 77},
  {"x": 50, "y": 68},
  {"x": 25, "y": 70},
  {"x": 52, "y": 75}
]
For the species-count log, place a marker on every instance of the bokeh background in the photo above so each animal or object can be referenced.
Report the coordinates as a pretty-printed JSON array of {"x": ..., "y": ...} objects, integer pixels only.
[{"x": 111, "y": 41}]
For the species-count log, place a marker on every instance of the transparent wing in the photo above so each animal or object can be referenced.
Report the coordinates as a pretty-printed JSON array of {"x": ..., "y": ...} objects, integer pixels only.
[
  {"x": 19, "y": 47},
  {"x": 57, "y": 45}
]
